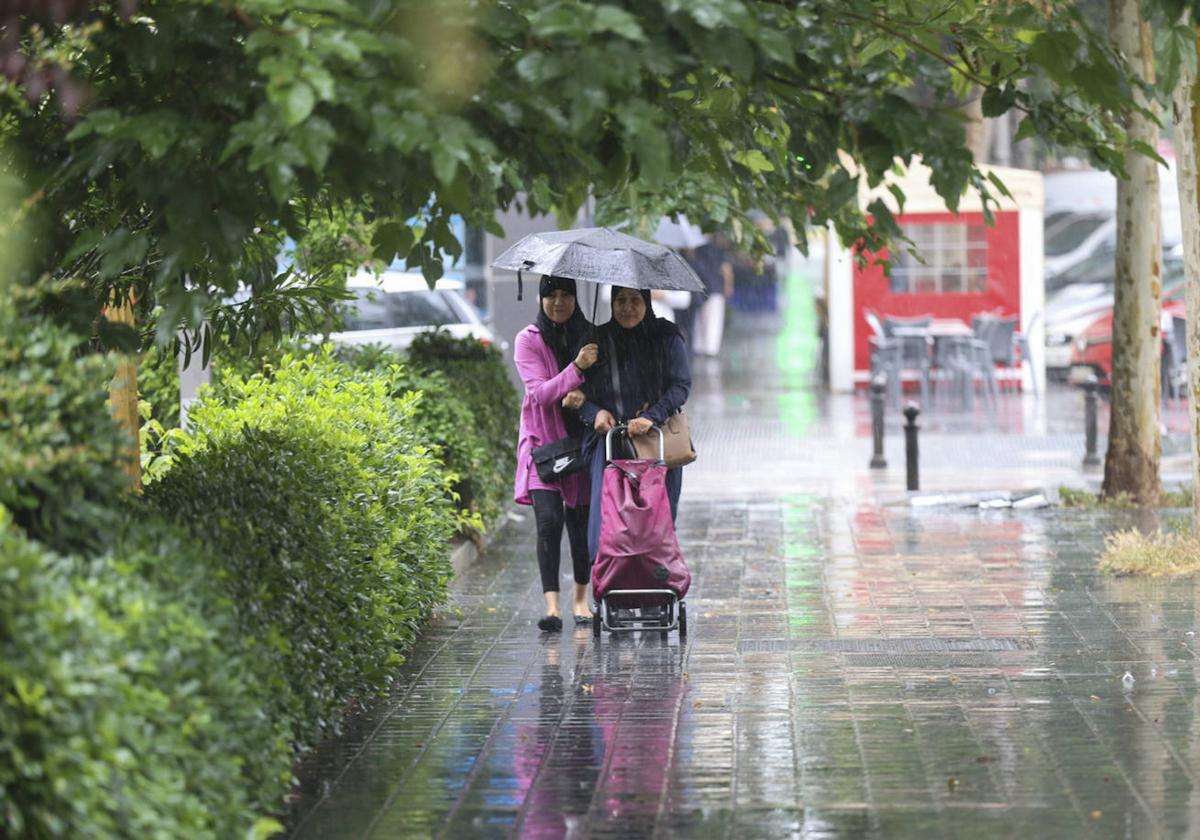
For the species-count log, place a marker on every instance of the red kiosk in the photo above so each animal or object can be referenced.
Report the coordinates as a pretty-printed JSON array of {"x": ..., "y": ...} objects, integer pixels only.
[{"x": 969, "y": 268}]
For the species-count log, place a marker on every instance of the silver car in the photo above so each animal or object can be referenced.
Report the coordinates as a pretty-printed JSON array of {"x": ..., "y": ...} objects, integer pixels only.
[{"x": 394, "y": 308}]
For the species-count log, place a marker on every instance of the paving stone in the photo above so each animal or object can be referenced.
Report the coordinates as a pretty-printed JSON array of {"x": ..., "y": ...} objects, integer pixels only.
[{"x": 853, "y": 669}]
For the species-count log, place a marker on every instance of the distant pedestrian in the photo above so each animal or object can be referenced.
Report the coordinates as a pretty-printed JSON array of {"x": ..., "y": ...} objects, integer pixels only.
[
  {"x": 669, "y": 303},
  {"x": 714, "y": 267},
  {"x": 551, "y": 356}
]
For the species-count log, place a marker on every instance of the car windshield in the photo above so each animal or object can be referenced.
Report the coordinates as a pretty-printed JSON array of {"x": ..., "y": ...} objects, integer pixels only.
[
  {"x": 1097, "y": 268},
  {"x": 1069, "y": 235},
  {"x": 374, "y": 309}
]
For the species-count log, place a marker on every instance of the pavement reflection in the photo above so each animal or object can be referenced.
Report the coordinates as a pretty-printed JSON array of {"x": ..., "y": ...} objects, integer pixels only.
[{"x": 853, "y": 669}]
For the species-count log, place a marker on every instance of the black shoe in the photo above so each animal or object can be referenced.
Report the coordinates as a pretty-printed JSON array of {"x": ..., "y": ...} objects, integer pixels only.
[
  {"x": 550, "y": 623},
  {"x": 583, "y": 620}
]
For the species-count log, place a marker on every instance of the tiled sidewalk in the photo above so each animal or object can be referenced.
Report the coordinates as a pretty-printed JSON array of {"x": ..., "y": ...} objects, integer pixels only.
[
  {"x": 854, "y": 669},
  {"x": 851, "y": 671}
]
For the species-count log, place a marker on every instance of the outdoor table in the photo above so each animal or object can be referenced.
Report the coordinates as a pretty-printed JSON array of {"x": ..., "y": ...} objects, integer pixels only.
[{"x": 938, "y": 328}]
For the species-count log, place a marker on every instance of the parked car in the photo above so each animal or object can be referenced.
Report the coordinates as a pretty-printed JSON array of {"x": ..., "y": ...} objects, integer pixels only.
[
  {"x": 395, "y": 307},
  {"x": 1077, "y": 306},
  {"x": 1070, "y": 311},
  {"x": 1073, "y": 239},
  {"x": 1091, "y": 351}
]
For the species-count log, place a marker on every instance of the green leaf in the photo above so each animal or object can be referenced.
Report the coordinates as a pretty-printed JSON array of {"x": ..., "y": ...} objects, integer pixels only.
[
  {"x": 315, "y": 141},
  {"x": 776, "y": 45},
  {"x": 999, "y": 185},
  {"x": 1174, "y": 49},
  {"x": 997, "y": 100},
  {"x": 754, "y": 160},
  {"x": 122, "y": 249},
  {"x": 298, "y": 104},
  {"x": 873, "y": 47},
  {"x": 617, "y": 20},
  {"x": 390, "y": 239},
  {"x": 1056, "y": 53}
]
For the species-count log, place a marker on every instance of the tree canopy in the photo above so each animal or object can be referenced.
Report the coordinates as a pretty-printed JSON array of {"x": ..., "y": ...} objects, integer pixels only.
[{"x": 171, "y": 148}]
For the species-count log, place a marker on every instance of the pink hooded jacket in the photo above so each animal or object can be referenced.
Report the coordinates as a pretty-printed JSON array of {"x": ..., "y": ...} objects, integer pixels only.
[{"x": 542, "y": 417}]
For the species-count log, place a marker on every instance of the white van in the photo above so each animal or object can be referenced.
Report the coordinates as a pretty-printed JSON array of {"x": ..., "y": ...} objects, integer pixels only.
[{"x": 1080, "y": 214}]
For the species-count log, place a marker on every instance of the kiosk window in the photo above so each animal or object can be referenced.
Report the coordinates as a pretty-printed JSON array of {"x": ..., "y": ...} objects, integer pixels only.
[{"x": 951, "y": 259}]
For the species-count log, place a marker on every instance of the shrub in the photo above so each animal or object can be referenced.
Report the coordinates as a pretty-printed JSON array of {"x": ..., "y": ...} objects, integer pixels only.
[
  {"x": 59, "y": 448},
  {"x": 123, "y": 711},
  {"x": 326, "y": 520},
  {"x": 476, "y": 372},
  {"x": 158, "y": 385},
  {"x": 444, "y": 422}
]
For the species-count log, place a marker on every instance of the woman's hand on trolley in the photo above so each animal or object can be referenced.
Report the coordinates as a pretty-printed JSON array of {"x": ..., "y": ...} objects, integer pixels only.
[
  {"x": 639, "y": 426},
  {"x": 573, "y": 400},
  {"x": 604, "y": 421}
]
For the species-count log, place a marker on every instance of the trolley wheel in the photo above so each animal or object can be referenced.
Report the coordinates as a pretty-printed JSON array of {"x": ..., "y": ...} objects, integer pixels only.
[
  {"x": 682, "y": 620},
  {"x": 596, "y": 623}
]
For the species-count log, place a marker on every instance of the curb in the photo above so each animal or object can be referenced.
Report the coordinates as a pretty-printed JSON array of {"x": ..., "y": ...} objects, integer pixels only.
[{"x": 464, "y": 552}]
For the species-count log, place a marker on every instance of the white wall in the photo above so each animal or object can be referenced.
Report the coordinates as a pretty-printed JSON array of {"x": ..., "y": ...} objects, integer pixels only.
[
  {"x": 1033, "y": 295},
  {"x": 839, "y": 285}
]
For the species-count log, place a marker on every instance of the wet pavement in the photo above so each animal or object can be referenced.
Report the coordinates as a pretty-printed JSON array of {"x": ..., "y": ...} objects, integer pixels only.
[{"x": 854, "y": 667}]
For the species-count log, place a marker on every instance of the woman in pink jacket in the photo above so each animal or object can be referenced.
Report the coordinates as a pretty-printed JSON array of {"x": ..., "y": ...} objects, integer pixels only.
[{"x": 551, "y": 357}]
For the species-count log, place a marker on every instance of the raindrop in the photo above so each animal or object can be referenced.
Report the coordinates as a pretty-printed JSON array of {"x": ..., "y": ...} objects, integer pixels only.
[
  {"x": 1153, "y": 672},
  {"x": 991, "y": 691},
  {"x": 1190, "y": 633},
  {"x": 1127, "y": 680}
]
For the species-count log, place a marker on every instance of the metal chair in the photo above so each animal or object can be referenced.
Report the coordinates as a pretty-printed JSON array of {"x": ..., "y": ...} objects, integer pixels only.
[
  {"x": 916, "y": 346},
  {"x": 992, "y": 338},
  {"x": 1020, "y": 340},
  {"x": 959, "y": 356},
  {"x": 885, "y": 357}
]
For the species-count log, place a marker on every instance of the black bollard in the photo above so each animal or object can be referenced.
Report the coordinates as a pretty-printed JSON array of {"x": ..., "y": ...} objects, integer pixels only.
[
  {"x": 1090, "y": 458},
  {"x": 910, "y": 445},
  {"x": 878, "y": 387}
]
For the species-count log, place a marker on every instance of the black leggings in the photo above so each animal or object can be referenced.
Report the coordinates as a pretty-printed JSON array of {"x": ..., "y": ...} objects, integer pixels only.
[{"x": 551, "y": 513}]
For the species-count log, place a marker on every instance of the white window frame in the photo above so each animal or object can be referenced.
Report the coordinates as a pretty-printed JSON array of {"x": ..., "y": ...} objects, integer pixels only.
[{"x": 955, "y": 259}]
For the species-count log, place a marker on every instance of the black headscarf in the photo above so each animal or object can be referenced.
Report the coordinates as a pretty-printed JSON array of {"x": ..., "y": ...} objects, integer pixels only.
[
  {"x": 646, "y": 344},
  {"x": 564, "y": 340}
]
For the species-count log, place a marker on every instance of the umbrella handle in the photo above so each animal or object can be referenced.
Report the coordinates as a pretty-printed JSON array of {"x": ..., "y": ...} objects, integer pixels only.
[{"x": 520, "y": 280}]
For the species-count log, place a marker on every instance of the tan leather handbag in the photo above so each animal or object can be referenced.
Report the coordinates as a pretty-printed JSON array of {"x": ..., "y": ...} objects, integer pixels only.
[{"x": 678, "y": 450}]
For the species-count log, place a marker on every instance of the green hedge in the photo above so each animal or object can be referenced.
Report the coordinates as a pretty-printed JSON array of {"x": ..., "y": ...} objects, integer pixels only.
[
  {"x": 157, "y": 672},
  {"x": 445, "y": 421},
  {"x": 468, "y": 413},
  {"x": 59, "y": 448},
  {"x": 327, "y": 524},
  {"x": 476, "y": 372},
  {"x": 123, "y": 710}
]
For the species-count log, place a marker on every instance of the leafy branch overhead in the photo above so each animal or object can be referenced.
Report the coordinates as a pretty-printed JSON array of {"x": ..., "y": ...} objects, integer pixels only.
[{"x": 211, "y": 133}]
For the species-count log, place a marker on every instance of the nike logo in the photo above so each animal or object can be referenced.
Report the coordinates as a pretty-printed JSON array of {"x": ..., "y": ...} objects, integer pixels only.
[{"x": 562, "y": 463}]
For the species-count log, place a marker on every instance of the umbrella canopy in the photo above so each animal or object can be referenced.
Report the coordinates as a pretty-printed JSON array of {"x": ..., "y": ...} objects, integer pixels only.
[
  {"x": 601, "y": 255},
  {"x": 681, "y": 234}
]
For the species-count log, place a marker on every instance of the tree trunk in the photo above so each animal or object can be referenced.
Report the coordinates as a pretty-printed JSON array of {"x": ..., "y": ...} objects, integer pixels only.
[
  {"x": 977, "y": 128},
  {"x": 123, "y": 399},
  {"x": 1134, "y": 443},
  {"x": 1186, "y": 117},
  {"x": 1002, "y": 138}
]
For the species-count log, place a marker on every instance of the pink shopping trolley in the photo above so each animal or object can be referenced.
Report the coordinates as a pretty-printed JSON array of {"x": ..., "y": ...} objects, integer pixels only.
[{"x": 639, "y": 578}]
